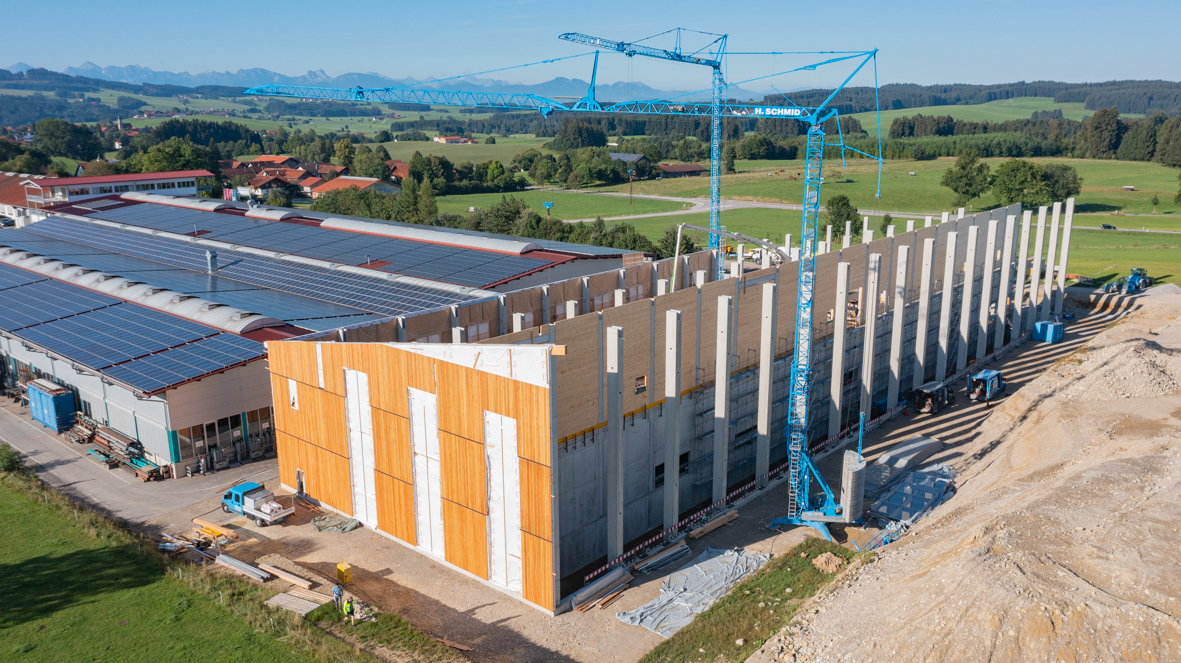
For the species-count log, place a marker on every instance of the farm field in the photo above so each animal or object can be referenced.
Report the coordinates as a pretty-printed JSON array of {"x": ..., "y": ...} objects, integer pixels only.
[
  {"x": 1103, "y": 182},
  {"x": 566, "y": 205},
  {"x": 994, "y": 111},
  {"x": 503, "y": 150},
  {"x": 1107, "y": 254},
  {"x": 68, "y": 596}
]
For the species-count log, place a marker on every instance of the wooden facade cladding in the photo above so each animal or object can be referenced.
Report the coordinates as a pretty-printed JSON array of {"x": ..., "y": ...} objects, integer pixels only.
[{"x": 314, "y": 438}]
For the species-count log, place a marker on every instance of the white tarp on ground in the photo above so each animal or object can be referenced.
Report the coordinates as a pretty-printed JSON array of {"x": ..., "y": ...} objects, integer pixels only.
[{"x": 690, "y": 591}]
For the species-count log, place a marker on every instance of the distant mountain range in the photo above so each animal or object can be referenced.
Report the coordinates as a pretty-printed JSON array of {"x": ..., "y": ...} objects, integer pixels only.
[{"x": 557, "y": 87}]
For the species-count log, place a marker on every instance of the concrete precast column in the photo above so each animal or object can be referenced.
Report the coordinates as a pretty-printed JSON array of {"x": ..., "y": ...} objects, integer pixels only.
[
  {"x": 766, "y": 370},
  {"x": 661, "y": 287},
  {"x": 546, "y": 313},
  {"x": 921, "y": 331},
  {"x": 1006, "y": 289},
  {"x": 1051, "y": 252},
  {"x": 945, "y": 307},
  {"x": 910, "y": 225},
  {"x": 839, "y": 331},
  {"x": 945, "y": 218},
  {"x": 614, "y": 442},
  {"x": 571, "y": 309},
  {"x": 986, "y": 292},
  {"x": 899, "y": 324},
  {"x": 828, "y": 234},
  {"x": 1022, "y": 268},
  {"x": 966, "y": 298},
  {"x": 672, "y": 418},
  {"x": 867, "y": 236},
  {"x": 1065, "y": 253},
  {"x": 518, "y": 322},
  {"x": 870, "y": 306},
  {"x": 846, "y": 241},
  {"x": 927, "y": 222},
  {"x": 502, "y": 313},
  {"x": 722, "y": 401},
  {"x": 1035, "y": 276},
  {"x": 620, "y": 296}
]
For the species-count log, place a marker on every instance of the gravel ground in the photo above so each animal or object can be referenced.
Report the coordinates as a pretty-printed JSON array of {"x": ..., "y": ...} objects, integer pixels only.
[{"x": 1061, "y": 544}]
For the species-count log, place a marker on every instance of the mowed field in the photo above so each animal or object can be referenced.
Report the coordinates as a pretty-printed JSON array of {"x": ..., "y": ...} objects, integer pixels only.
[
  {"x": 566, "y": 205},
  {"x": 1103, "y": 182},
  {"x": 993, "y": 111},
  {"x": 69, "y": 596}
]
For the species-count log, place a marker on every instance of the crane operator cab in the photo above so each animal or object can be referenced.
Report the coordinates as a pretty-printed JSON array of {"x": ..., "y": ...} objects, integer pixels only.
[
  {"x": 985, "y": 385},
  {"x": 932, "y": 397}
]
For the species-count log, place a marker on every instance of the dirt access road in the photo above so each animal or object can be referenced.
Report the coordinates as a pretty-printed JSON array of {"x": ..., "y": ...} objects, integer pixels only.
[{"x": 1061, "y": 544}]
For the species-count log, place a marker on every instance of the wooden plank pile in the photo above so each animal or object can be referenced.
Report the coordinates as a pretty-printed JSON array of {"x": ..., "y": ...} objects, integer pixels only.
[
  {"x": 662, "y": 559},
  {"x": 292, "y": 603},
  {"x": 713, "y": 524},
  {"x": 309, "y": 595},
  {"x": 288, "y": 576},
  {"x": 602, "y": 592}
]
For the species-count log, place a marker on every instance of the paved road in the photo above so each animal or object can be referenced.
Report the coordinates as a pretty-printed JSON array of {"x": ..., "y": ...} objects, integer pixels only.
[
  {"x": 67, "y": 467},
  {"x": 1133, "y": 230}
]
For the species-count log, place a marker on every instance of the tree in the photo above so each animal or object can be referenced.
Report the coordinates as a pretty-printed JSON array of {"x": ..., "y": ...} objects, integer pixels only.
[
  {"x": 172, "y": 154},
  {"x": 1139, "y": 142},
  {"x": 428, "y": 210},
  {"x": 368, "y": 163},
  {"x": 840, "y": 211},
  {"x": 406, "y": 209},
  {"x": 666, "y": 248},
  {"x": 577, "y": 134},
  {"x": 490, "y": 140},
  {"x": 495, "y": 171},
  {"x": 278, "y": 198},
  {"x": 59, "y": 138},
  {"x": 1177, "y": 199},
  {"x": 968, "y": 178},
  {"x": 96, "y": 168},
  {"x": 887, "y": 221},
  {"x": 1155, "y": 202},
  {"x": 1018, "y": 180},
  {"x": 756, "y": 146},
  {"x": 919, "y": 154},
  {"x": 1104, "y": 132},
  {"x": 1062, "y": 181},
  {"x": 345, "y": 152},
  {"x": 729, "y": 154},
  {"x": 125, "y": 103}
]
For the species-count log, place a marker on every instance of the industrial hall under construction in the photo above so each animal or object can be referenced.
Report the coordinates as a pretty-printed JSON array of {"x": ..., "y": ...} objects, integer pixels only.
[
  {"x": 532, "y": 439},
  {"x": 150, "y": 313}
]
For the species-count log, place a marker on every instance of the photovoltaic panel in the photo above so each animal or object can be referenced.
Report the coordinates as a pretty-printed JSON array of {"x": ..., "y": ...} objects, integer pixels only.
[
  {"x": 187, "y": 362},
  {"x": 12, "y": 277},
  {"x": 42, "y": 301}
]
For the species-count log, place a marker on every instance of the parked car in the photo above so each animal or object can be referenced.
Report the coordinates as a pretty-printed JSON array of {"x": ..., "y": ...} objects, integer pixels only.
[{"x": 1108, "y": 226}]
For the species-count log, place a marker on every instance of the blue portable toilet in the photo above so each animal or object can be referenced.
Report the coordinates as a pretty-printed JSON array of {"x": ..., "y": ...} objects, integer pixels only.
[
  {"x": 1048, "y": 332},
  {"x": 52, "y": 405}
]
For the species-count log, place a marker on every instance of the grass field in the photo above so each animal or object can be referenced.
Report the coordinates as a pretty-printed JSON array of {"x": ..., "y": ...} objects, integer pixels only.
[
  {"x": 1105, "y": 254},
  {"x": 566, "y": 205},
  {"x": 753, "y": 611},
  {"x": 503, "y": 150},
  {"x": 993, "y": 111},
  {"x": 1103, "y": 182},
  {"x": 72, "y": 596}
]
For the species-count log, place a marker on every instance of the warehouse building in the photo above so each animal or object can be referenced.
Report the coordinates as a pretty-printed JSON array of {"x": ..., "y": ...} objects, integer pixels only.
[
  {"x": 154, "y": 310},
  {"x": 648, "y": 397}
]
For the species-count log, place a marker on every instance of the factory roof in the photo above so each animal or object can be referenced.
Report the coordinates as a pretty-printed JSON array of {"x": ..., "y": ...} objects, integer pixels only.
[{"x": 111, "y": 179}]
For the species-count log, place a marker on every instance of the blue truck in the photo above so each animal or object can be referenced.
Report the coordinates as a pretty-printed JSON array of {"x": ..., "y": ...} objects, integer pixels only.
[{"x": 256, "y": 503}]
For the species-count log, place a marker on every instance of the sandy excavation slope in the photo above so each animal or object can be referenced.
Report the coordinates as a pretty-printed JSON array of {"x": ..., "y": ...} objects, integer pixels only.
[{"x": 1064, "y": 541}]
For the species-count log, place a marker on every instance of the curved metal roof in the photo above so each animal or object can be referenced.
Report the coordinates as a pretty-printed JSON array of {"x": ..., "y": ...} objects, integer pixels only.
[
  {"x": 204, "y": 311},
  {"x": 204, "y": 204},
  {"x": 425, "y": 234}
]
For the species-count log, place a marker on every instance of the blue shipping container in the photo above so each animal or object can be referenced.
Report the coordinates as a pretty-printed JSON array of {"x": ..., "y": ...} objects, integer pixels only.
[
  {"x": 1049, "y": 332},
  {"x": 52, "y": 405}
]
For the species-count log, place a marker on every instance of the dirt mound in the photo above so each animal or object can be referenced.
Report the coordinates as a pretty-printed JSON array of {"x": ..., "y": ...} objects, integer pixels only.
[
  {"x": 828, "y": 563},
  {"x": 1166, "y": 289},
  {"x": 1135, "y": 368},
  {"x": 1060, "y": 544}
]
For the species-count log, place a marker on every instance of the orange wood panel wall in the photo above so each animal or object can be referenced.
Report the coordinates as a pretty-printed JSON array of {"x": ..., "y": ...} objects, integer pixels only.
[{"x": 314, "y": 439}]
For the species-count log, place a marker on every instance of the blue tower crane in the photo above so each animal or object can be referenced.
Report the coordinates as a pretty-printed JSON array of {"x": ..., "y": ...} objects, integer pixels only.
[
  {"x": 802, "y": 470},
  {"x": 712, "y": 58}
]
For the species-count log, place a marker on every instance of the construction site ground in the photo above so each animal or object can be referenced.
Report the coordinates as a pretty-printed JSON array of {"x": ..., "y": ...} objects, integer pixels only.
[
  {"x": 459, "y": 609},
  {"x": 1061, "y": 541}
]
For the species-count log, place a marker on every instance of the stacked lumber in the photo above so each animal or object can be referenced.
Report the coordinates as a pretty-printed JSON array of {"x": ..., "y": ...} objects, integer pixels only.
[
  {"x": 292, "y": 603},
  {"x": 308, "y": 595},
  {"x": 713, "y": 524},
  {"x": 214, "y": 530},
  {"x": 609, "y": 586},
  {"x": 285, "y": 575}
]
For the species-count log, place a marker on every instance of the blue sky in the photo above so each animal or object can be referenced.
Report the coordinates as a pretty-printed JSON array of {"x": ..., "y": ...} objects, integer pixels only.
[{"x": 922, "y": 42}]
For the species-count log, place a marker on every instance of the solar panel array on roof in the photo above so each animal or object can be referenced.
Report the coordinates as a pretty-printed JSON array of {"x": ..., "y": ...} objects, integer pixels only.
[
  {"x": 144, "y": 348},
  {"x": 437, "y": 262},
  {"x": 375, "y": 294},
  {"x": 208, "y": 355},
  {"x": 295, "y": 309}
]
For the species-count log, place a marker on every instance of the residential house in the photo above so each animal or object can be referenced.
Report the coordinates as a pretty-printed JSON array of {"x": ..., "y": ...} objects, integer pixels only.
[
  {"x": 398, "y": 170},
  {"x": 363, "y": 183},
  {"x": 455, "y": 140},
  {"x": 681, "y": 170}
]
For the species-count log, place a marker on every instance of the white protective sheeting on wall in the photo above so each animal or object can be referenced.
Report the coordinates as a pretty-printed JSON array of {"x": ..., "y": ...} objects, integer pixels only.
[
  {"x": 527, "y": 363},
  {"x": 360, "y": 434},
  {"x": 428, "y": 475},
  {"x": 504, "y": 500}
]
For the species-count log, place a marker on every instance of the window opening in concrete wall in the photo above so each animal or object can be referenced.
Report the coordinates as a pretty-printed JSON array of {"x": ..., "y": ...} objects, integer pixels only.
[
  {"x": 658, "y": 476},
  {"x": 641, "y": 384},
  {"x": 683, "y": 461},
  {"x": 293, "y": 394}
]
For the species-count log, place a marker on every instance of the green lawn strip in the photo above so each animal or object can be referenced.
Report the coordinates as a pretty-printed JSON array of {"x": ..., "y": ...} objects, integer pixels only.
[
  {"x": 388, "y": 630},
  {"x": 1103, "y": 182},
  {"x": 79, "y": 586},
  {"x": 1109, "y": 254},
  {"x": 753, "y": 611},
  {"x": 756, "y": 222},
  {"x": 503, "y": 150},
  {"x": 1137, "y": 222},
  {"x": 566, "y": 205}
]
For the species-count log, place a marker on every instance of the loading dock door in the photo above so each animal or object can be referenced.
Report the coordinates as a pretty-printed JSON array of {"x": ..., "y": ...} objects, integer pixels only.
[
  {"x": 360, "y": 434},
  {"x": 504, "y": 500},
  {"x": 428, "y": 476}
]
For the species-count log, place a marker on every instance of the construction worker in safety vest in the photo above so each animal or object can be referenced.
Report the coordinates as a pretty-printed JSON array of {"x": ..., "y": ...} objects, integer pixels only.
[{"x": 350, "y": 611}]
